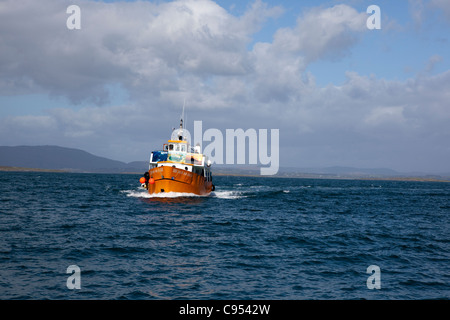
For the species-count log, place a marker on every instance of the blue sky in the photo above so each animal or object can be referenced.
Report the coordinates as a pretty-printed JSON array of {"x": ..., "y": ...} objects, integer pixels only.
[{"x": 339, "y": 93}]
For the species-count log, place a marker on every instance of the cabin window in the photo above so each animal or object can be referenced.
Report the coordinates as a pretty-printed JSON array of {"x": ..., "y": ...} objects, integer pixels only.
[
  {"x": 183, "y": 148},
  {"x": 177, "y": 147},
  {"x": 170, "y": 147}
]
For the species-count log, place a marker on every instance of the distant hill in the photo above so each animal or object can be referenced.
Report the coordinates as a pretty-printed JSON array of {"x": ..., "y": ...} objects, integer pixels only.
[
  {"x": 60, "y": 158},
  {"x": 332, "y": 171},
  {"x": 359, "y": 173},
  {"x": 335, "y": 172},
  {"x": 346, "y": 171}
]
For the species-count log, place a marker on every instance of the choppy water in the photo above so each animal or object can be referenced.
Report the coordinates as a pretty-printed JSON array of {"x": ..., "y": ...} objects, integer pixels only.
[{"x": 254, "y": 238}]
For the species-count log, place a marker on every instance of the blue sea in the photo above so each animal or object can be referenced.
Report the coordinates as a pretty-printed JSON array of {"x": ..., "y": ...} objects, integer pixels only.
[{"x": 254, "y": 238}]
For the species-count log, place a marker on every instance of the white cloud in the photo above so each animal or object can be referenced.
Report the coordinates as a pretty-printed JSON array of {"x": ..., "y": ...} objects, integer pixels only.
[
  {"x": 385, "y": 114},
  {"x": 442, "y": 5},
  {"x": 420, "y": 10},
  {"x": 160, "y": 50},
  {"x": 322, "y": 33},
  {"x": 144, "y": 46},
  {"x": 417, "y": 11}
]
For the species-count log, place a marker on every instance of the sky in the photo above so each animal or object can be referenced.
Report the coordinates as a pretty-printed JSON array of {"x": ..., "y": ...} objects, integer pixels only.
[{"x": 340, "y": 94}]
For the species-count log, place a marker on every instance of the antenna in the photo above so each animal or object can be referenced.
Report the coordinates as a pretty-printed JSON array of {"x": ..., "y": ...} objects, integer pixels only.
[
  {"x": 182, "y": 116},
  {"x": 182, "y": 125}
]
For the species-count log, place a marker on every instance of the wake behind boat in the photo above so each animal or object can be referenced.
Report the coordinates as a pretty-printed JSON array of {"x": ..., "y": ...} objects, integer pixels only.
[{"x": 178, "y": 167}]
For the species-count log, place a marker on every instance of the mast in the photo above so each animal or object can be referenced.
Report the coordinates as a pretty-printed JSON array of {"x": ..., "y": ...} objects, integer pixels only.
[
  {"x": 182, "y": 115},
  {"x": 182, "y": 125}
]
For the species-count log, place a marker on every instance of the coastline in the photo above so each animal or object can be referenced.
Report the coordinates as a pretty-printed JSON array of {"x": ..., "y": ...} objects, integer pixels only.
[
  {"x": 335, "y": 177},
  {"x": 22, "y": 169},
  {"x": 231, "y": 174}
]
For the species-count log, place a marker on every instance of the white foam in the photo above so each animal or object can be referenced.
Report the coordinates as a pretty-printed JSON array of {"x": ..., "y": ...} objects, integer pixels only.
[
  {"x": 145, "y": 194},
  {"x": 227, "y": 194},
  {"x": 218, "y": 194}
]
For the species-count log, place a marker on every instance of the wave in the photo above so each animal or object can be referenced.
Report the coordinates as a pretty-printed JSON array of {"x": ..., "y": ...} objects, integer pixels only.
[
  {"x": 215, "y": 194},
  {"x": 230, "y": 194},
  {"x": 145, "y": 194}
]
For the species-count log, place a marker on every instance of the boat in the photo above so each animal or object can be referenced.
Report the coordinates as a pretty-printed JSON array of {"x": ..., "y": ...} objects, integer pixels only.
[{"x": 178, "y": 167}]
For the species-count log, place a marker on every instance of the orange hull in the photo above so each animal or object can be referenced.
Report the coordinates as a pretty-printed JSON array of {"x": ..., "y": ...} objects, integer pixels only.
[{"x": 169, "y": 179}]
